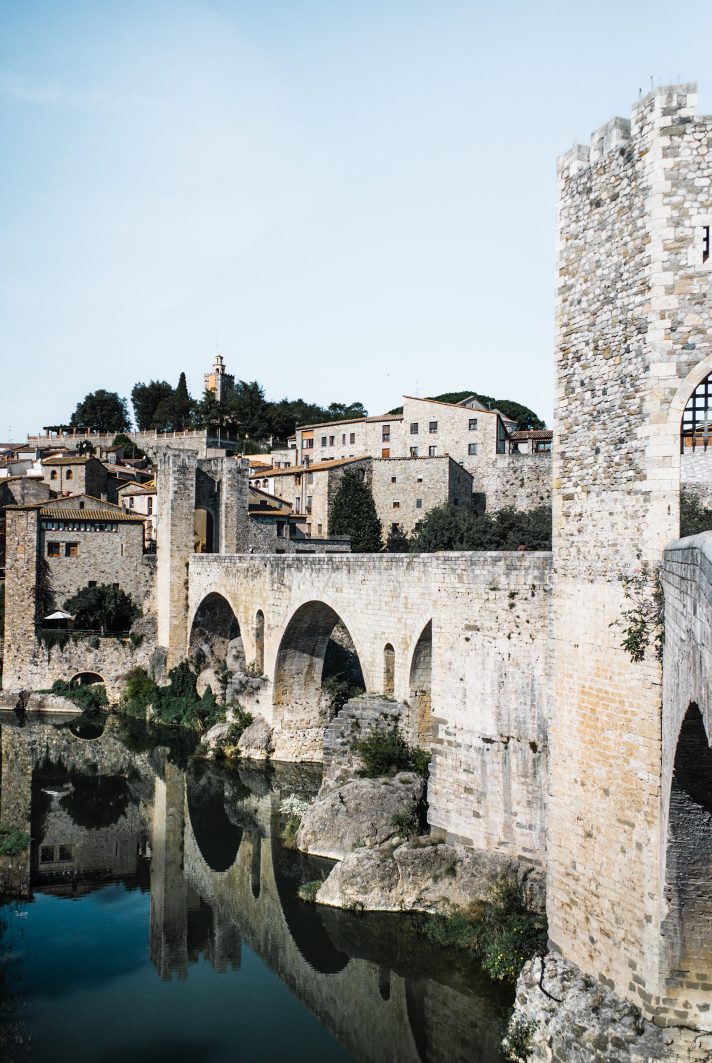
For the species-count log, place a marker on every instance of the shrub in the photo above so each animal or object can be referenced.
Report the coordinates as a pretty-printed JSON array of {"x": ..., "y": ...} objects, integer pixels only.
[
  {"x": 12, "y": 840},
  {"x": 694, "y": 517},
  {"x": 227, "y": 746},
  {"x": 89, "y": 698},
  {"x": 643, "y": 620},
  {"x": 517, "y": 1042},
  {"x": 407, "y": 822},
  {"x": 103, "y": 608},
  {"x": 140, "y": 692},
  {"x": 502, "y": 932},
  {"x": 385, "y": 752},
  {"x": 175, "y": 705},
  {"x": 308, "y": 891},
  {"x": 294, "y": 809},
  {"x": 454, "y": 528}
]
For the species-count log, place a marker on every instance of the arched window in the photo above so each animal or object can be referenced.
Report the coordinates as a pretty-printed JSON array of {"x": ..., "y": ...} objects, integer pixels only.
[
  {"x": 389, "y": 670},
  {"x": 70, "y": 474},
  {"x": 53, "y": 474},
  {"x": 696, "y": 433}
]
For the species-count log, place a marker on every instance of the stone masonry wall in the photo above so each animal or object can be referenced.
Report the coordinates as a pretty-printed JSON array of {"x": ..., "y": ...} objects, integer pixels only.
[
  {"x": 633, "y": 339},
  {"x": 522, "y": 481},
  {"x": 432, "y": 481}
]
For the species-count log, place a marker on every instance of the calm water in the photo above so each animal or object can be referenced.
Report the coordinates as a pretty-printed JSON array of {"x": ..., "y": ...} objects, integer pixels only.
[{"x": 161, "y": 921}]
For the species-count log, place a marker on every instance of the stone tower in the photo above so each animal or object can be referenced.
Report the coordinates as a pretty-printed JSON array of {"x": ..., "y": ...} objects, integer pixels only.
[
  {"x": 634, "y": 337},
  {"x": 218, "y": 382}
]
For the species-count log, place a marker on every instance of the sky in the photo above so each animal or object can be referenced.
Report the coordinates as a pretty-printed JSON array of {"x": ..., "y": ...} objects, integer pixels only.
[{"x": 353, "y": 200}]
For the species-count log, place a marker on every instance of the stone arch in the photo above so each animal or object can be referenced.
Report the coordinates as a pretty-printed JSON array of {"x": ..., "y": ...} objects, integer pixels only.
[
  {"x": 420, "y": 686},
  {"x": 85, "y": 679},
  {"x": 260, "y": 641},
  {"x": 686, "y": 464},
  {"x": 218, "y": 838},
  {"x": 299, "y": 668},
  {"x": 687, "y": 928},
  {"x": 215, "y": 630},
  {"x": 389, "y": 670}
]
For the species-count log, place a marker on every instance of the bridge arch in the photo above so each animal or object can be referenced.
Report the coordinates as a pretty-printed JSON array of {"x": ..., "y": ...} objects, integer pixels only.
[
  {"x": 299, "y": 666},
  {"x": 213, "y": 628},
  {"x": 420, "y": 687},
  {"x": 216, "y": 836}
]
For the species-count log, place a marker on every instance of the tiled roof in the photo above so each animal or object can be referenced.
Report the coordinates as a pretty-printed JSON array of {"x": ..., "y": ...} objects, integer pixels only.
[
  {"x": 353, "y": 420},
  {"x": 74, "y": 514},
  {"x": 67, "y": 460},
  {"x": 318, "y": 466},
  {"x": 532, "y": 433}
]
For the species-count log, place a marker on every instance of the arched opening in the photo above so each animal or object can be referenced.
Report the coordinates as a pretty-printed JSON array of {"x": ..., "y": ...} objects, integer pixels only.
[
  {"x": 421, "y": 685},
  {"x": 215, "y": 635},
  {"x": 389, "y": 670},
  {"x": 317, "y": 667},
  {"x": 216, "y": 835},
  {"x": 204, "y": 532},
  {"x": 696, "y": 461},
  {"x": 687, "y": 929},
  {"x": 85, "y": 679},
  {"x": 260, "y": 641}
]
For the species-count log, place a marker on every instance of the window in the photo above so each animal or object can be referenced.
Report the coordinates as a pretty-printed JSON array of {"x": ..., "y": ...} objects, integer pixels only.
[
  {"x": 418, "y": 525},
  {"x": 414, "y": 428},
  {"x": 131, "y": 502},
  {"x": 149, "y": 506},
  {"x": 386, "y": 452},
  {"x": 352, "y": 437},
  {"x": 471, "y": 448},
  {"x": 386, "y": 433},
  {"x": 420, "y": 479},
  {"x": 46, "y": 854},
  {"x": 473, "y": 424},
  {"x": 418, "y": 503},
  {"x": 71, "y": 549},
  {"x": 69, "y": 474},
  {"x": 297, "y": 505},
  {"x": 542, "y": 445},
  {"x": 319, "y": 529},
  {"x": 308, "y": 528},
  {"x": 395, "y": 528},
  {"x": 310, "y": 477},
  {"x": 414, "y": 452},
  {"x": 298, "y": 479},
  {"x": 65, "y": 852},
  {"x": 52, "y": 549},
  {"x": 331, "y": 440},
  {"x": 393, "y": 479},
  {"x": 343, "y": 439},
  {"x": 432, "y": 452},
  {"x": 501, "y": 437},
  {"x": 309, "y": 504},
  {"x": 323, "y": 441},
  {"x": 396, "y": 505},
  {"x": 309, "y": 444},
  {"x": 705, "y": 242},
  {"x": 92, "y": 583},
  {"x": 53, "y": 474},
  {"x": 433, "y": 426}
]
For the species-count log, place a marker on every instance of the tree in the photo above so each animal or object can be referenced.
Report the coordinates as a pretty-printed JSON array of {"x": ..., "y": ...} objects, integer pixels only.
[
  {"x": 130, "y": 448},
  {"x": 353, "y": 512},
  {"x": 102, "y": 411},
  {"x": 85, "y": 447},
  {"x": 397, "y": 541},
  {"x": 103, "y": 608},
  {"x": 183, "y": 406},
  {"x": 694, "y": 517},
  {"x": 153, "y": 405},
  {"x": 453, "y": 528}
]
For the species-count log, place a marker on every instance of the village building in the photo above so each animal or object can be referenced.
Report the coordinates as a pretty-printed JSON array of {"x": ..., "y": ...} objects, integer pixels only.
[
  {"x": 141, "y": 500},
  {"x": 310, "y": 490},
  {"x": 76, "y": 474},
  {"x": 404, "y": 489},
  {"x": 530, "y": 441}
]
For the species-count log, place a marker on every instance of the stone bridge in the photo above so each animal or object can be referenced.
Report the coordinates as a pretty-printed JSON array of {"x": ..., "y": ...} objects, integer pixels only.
[{"x": 459, "y": 638}]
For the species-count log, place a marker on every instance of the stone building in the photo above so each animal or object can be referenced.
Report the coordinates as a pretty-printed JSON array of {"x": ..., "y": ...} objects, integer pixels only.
[
  {"x": 140, "y": 499},
  {"x": 219, "y": 383},
  {"x": 404, "y": 489},
  {"x": 75, "y": 474},
  {"x": 309, "y": 489}
]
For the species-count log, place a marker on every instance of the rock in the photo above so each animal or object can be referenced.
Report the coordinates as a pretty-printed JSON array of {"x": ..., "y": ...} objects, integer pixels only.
[
  {"x": 421, "y": 877},
  {"x": 51, "y": 703},
  {"x": 566, "y": 1015},
  {"x": 256, "y": 740},
  {"x": 208, "y": 678},
  {"x": 300, "y": 745},
  {"x": 359, "y": 813},
  {"x": 235, "y": 657},
  {"x": 215, "y": 735}
]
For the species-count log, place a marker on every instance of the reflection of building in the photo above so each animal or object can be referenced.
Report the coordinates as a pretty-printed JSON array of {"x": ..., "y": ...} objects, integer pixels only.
[{"x": 218, "y": 382}]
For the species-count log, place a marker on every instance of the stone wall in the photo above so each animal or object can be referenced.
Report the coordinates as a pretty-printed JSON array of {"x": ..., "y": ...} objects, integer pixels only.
[
  {"x": 633, "y": 339},
  {"x": 522, "y": 481}
]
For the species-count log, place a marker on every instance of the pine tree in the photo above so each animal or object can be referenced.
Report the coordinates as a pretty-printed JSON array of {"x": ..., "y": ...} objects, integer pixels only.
[
  {"x": 353, "y": 512},
  {"x": 182, "y": 406}
]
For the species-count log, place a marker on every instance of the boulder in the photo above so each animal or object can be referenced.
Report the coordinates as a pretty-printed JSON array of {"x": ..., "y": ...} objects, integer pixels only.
[
  {"x": 423, "y": 876},
  {"x": 359, "y": 813},
  {"x": 208, "y": 678},
  {"x": 235, "y": 656},
  {"x": 256, "y": 740},
  {"x": 214, "y": 735}
]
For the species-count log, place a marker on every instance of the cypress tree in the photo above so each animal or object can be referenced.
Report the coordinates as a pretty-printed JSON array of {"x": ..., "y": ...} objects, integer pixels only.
[{"x": 353, "y": 512}]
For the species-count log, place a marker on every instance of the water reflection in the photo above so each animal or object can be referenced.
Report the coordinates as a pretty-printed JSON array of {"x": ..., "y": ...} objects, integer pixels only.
[{"x": 195, "y": 854}]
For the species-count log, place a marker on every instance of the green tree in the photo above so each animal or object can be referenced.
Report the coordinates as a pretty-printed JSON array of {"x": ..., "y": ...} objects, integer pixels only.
[
  {"x": 453, "y": 528},
  {"x": 130, "y": 448},
  {"x": 183, "y": 406},
  {"x": 397, "y": 541},
  {"x": 102, "y": 411},
  {"x": 103, "y": 608},
  {"x": 85, "y": 447},
  {"x": 353, "y": 512},
  {"x": 694, "y": 517},
  {"x": 153, "y": 405}
]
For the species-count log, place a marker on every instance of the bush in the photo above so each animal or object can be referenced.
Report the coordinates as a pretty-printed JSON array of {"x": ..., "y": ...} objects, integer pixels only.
[
  {"x": 12, "y": 840},
  {"x": 503, "y": 933},
  {"x": 385, "y": 752},
  {"x": 175, "y": 705},
  {"x": 407, "y": 822},
  {"x": 694, "y": 517},
  {"x": 518, "y": 1039},
  {"x": 308, "y": 891},
  {"x": 89, "y": 698},
  {"x": 454, "y": 528},
  {"x": 140, "y": 692},
  {"x": 294, "y": 809}
]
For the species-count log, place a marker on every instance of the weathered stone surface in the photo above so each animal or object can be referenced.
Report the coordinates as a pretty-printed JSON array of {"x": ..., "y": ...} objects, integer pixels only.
[
  {"x": 419, "y": 877},
  {"x": 357, "y": 719},
  {"x": 208, "y": 678},
  {"x": 256, "y": 740},
  {"x": 214, "y": 735},
  {"x": 357, "y": 814},
  {"x": 50, "y": 703},
  {"x": 574, "y": 1018}
]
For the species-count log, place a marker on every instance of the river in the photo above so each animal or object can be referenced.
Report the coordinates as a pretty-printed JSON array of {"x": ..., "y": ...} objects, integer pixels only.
[{"x": 160, "y": 921}]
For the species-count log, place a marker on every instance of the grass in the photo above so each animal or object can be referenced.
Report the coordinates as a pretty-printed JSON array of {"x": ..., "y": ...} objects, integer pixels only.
[
  {"x": 12, "y": 840},
  {"x": 309, "y": 890},
  {"x": 502, "y": 932}
]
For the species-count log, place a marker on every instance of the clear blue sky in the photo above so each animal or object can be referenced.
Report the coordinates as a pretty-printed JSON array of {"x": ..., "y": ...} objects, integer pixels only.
[{"x": 358, "y": 195}]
